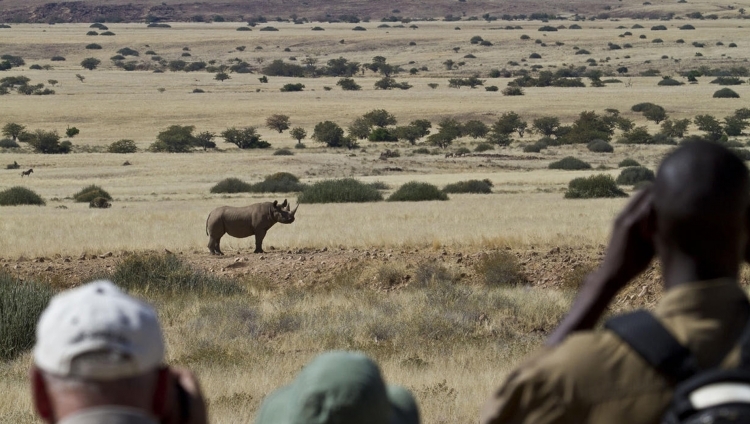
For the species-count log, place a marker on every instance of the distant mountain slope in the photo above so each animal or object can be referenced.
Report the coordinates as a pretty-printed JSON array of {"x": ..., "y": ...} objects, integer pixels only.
[{"x": 238, "y": 10}]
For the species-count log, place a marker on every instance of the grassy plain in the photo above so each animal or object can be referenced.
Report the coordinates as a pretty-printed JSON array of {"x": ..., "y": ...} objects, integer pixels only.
[{"x": 451, "y": 343}]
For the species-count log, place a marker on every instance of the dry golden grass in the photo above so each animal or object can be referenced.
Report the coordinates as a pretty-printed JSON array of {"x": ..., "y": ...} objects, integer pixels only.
[{"x": 113, "y": 104}]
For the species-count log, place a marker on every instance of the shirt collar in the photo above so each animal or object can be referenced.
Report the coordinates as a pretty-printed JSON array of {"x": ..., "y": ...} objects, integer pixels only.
[{"x": 708, "y": 297}]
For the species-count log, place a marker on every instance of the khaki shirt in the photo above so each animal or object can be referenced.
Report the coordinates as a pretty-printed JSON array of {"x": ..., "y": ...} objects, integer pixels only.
[{"x": 594, "y": 377}]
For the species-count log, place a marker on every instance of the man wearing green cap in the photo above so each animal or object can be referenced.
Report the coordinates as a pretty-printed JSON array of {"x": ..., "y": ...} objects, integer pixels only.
[{"x": 339, "y": 387}]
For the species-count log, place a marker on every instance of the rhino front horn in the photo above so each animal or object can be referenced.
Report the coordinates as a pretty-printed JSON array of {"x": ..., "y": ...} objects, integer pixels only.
[{"x": 295, "y": 209}]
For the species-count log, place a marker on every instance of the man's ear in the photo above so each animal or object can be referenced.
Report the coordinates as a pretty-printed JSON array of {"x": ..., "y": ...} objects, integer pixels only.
[{"x": 40, "y": 396}]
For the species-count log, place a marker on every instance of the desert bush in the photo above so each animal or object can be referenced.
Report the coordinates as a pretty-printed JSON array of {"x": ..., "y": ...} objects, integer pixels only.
[
  {"x": 91, "y": 192},
  {"x": 642, "y": 107},
  {"x": 628, "y": 162},
  {"x": 491, "y": 88},
  {"x": 415, "y": 191},
  {"x": 127, "y": 51},
  {"x": 166, "y": 274},
  {"x": 382, "y": 134},
  {"x": 16, "y": 196},
  {"x": 483, "y": 147},
  {"x": 283, "y": 152},
  {"x": 21, "y": 304},
  {"x": 13, "y": 165},
  {"x": 292, "y": 87},
  {"x": 500, "y": 269},
  {"x": 348, "y": 84},
  {"x": 635, "y": 174},
  {"x": 280, "y": 182},
  {"x": 570, "y": 163},
  {"x": 534, "y": 148},
  {"x": 345, "y": 190},
  {"x": 422, "y": 151},
  {"x": 727, "y": 81},
  {"x": 687, "y": 27},
  {"x": 469, "y": 186},
  {"x": 512, "y": 91},
  {"x": 108, "y": 33},
  {"x": 725, "y": 93},
  {"x": 462, "y": 151},
  {"x": 595, "y": 186},
  {"x": 268, "y": 28},
  {"x": 122, "y": 146},
  {"x": 600, "y": 146},
  {"x": 57, "y": 58},
  {"x": 667, "y": 81},
  {"x": 93, "y": 46},
  {"x": 231, "y": 185},
  {"x": 90, "y": 63},
  {"x": 8, "y": 143}
]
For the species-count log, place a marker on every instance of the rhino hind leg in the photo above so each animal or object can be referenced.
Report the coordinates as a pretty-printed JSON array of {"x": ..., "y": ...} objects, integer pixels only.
[{"x": 213, "y": 246}]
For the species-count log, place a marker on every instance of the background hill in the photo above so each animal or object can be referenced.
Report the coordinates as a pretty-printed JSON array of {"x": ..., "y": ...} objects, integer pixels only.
[{"x": 40, "y": 11}]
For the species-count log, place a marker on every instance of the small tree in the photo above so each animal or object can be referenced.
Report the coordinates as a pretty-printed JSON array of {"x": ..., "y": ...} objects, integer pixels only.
[
  {"x": 734, "y": 126},
  {"x": 656, "y": 114},
  {"x": 509, "y": 123},
  {"x": 710, "y": 125},
  {"x": 475, "y": 129},
  {"x": 330, "y": 133},
  {"x": 449, "y": 129},
  {"x": 90, "y": 63},
  {"x": 348, "y": 84},
  {"x": 12, "y": 130},
  {"x": 675, "y": 128},
  {"x": 245, "y": 138},
  {"x": 72, "y": 132},
  {"x": 221, "y": 76},
  {"x": 298, "y": 133},
  {"x": 53, "y": 82},
  {"x": 359, "y": 128},
  {"x": 546, "y": 125},
  {"x": 379, "y": 118},
  {"x": 278, "y": 122},
  {"x": 408, "y": 132},
  {"x": 175, "y": 139},
  {"x": 205, "y": 140}
]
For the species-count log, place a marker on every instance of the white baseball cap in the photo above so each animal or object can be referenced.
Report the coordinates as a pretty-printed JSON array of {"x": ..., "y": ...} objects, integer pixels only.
[{"x": 98, "y": 319}]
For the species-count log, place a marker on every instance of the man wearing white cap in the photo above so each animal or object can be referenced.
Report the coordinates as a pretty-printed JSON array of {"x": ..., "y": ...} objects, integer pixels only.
[{"x": 99, "y": 359}]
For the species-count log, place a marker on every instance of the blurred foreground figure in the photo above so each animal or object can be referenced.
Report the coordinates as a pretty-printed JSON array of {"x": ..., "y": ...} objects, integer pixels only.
[
  {"x": 338, "y": 388},
  {"x": 99, "y": 359},
  {"x": 695, "y": 219}
]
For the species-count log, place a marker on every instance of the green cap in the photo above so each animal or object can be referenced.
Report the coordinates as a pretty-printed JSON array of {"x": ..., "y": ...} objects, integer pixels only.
[{"x": 339, "y": 388}]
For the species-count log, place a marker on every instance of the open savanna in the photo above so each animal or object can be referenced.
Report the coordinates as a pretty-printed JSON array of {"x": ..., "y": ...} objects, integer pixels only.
[{"x": 449, "y": 337}]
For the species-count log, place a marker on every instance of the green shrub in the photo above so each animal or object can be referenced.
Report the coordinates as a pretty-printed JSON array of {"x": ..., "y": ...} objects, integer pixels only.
[
  {"x": 8, "y": 143},
  {"x": 462, "y": 151},
  {"x": 90, "y": 193},
  {"x": 635, "y": 174},
  {"x": 628, "y": 162},
  {"x": 345, "y": 190},
  {"x": 533, "y": 148},
  {"x": 601, "y": 185},
  {"x": 726, "y": 93},
  {"x": 500, "y": 269},
  {"x": 669, "y": 82},
  {"x": 422, "y": 151},
  {"x": 470, "y": 186},
  {"x": 482, "y": 147},
  {"x": 415, "y": 191},
  {"x": 21, "y": 304},
  {"x": 16, "y": 196},
  {"x": 292, "y": 87},
  {"x": 166, "y": 274},
  {"x": 231, "y": 185},
  {"x": 382, "y": 134},
  {"x": 600, "y": 146},
  {"x": 283, "y": 152},
  {"x": 570, "y": 163},
  {"x": 122, "y": 146},
  {"x": 641, "y": 107},
  {"x": 280, "y": 182},
  {"x": 93, "y": 46}
]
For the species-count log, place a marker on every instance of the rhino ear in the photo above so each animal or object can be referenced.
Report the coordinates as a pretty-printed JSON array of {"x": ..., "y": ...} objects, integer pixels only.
[
  {"x": 275, "y": 204},
  {"x": 283, "y": 205}
]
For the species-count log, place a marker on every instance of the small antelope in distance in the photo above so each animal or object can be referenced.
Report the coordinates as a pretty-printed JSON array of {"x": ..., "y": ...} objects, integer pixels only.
[{"x": 26, "y": 173}]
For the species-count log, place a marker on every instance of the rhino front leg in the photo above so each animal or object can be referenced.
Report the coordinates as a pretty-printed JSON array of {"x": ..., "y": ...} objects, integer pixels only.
[{"x": 259, "y": 235}]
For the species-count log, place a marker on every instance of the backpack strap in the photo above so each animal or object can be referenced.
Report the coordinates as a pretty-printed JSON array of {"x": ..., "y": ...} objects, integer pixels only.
[{"x": 648, "y": 337}]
